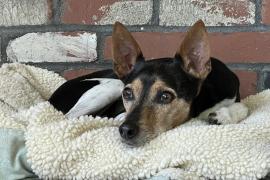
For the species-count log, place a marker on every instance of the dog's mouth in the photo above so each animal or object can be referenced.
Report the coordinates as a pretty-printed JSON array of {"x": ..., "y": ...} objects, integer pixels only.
[
  {"x": 134, "y": 143},
  {"x": 140, "y": 140},
  {"x": 130, "y": 143}
]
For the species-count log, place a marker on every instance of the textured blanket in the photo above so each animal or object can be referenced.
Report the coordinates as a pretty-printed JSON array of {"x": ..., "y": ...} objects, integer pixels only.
[{"x": 91, "y": 148}]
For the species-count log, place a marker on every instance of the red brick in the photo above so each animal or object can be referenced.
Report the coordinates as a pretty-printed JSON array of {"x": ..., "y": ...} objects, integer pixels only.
[
  {"x": 107, "y": 11},
  {"x": 71, "y": 74},
  {"x": 82, "y": 11},
  {"x": 265, "y": 12},
  {"x": 238, "y": 47},
  {"x": 248, "y": 82},
  {"x": 212, "y": 12}
]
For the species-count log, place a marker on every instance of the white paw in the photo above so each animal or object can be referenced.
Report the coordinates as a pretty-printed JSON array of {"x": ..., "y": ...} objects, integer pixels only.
[
  {"x": 228, "y": 115},
  {"x": 219, "y": 117}
]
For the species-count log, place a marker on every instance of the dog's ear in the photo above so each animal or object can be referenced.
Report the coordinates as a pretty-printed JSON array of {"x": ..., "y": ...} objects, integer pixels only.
[
  {"x": 126, "y": 51},
  {"x": 195, "y": 51}
]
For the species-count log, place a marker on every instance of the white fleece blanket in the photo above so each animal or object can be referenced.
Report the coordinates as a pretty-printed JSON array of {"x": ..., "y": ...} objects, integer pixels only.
[{"x": 91, "y": 148}]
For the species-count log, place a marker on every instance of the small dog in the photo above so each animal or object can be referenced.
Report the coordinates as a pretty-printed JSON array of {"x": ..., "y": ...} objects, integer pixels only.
[{"x": 164, "y": 93}]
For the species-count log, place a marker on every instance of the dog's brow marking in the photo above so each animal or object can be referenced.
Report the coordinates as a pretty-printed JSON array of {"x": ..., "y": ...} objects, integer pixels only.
[
  {"x": 137, "y": 87},
  {"x": 159, "y": 85}
]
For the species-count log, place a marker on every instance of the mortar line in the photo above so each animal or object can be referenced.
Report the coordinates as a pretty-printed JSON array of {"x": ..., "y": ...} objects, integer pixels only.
[
  {"x": 266, "y": 80},
  {"x": 136, "y": 28},
  {"x": 260, "y": 67},
  {"x": 155, "y": 12},
  {"x": 56, "y": 10},
  {"x": 4, "y": 44},
  {"x": 260, "y": 81},
  {"x": 100, "y": 45},
  {"x": 258, "y": 12},
  {"x": 250, "y": 66}
]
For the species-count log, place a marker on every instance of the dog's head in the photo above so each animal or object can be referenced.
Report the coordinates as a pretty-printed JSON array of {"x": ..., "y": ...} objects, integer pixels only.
[{"x": 158, "y": 93}]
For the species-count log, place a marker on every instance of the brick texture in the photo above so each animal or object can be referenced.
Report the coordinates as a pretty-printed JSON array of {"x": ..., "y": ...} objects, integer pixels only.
[
  {"x": 73, "y": 73},
  {"x": 248, "y": 82},
  {"x": 238, "y": 47},
  {"x": 213, "y": 12},
  {"x": 265, "y": 12},
  {"x": 25, "y": 12},
  {"x": 39, "y": 32},
  {"x": 107, "y": 12},
  {"x": 53, "y": 47}
]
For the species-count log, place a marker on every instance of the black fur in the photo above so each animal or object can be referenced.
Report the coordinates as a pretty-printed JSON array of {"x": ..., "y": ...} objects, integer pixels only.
[
  {"x": 221, "y": 83},
  {"x": 65, "y": 97}
]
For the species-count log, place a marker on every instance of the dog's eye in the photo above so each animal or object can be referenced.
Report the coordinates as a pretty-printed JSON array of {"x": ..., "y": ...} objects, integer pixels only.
[
  {"x": 165, "y": 97},
  {"x": 128, "y": 94}
]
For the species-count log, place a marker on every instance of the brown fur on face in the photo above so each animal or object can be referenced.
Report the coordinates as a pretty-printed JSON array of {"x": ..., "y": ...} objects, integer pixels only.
[
  {"x": 156, "y": 118},
  {"x": 151, "y": 117},
  {"x": 136, "y": 87}
]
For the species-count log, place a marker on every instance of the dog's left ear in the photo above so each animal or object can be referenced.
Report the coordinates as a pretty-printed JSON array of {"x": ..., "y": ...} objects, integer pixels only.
[{"x": 195, "y": 51}]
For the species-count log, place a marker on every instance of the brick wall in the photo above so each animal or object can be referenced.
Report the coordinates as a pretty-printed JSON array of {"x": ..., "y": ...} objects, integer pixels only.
[{"x": 72, "y": 37}]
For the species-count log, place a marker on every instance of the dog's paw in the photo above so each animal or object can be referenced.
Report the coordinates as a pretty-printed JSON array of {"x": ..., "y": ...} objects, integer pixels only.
[
  {"x": 219, "y": 117},
  {"x": 228, "y": 115},
  {"x": 213, "y": 119}
]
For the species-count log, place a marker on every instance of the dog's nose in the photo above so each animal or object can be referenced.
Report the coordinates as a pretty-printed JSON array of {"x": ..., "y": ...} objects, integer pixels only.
[{"x": 128, "y": 131}]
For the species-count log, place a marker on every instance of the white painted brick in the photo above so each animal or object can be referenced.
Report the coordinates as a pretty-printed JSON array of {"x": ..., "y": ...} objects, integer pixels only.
[
  {"x": 53, "y": 47},
  {"x": 24, "y": 12},
  {"x": 127, "y": 12},
  {"x": 212, "y": 12}
]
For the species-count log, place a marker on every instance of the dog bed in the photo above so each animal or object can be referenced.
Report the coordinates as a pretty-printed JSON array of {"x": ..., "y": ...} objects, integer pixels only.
[{"x": 90, "y": 147}]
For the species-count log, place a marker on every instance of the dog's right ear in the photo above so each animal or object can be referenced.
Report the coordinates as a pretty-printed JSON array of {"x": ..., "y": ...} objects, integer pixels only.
[
  {"x": 195, "y": 51},
  {"x": 125, "y": 50}
]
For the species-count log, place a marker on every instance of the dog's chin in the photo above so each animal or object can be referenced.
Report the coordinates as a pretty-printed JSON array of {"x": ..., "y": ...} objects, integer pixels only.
[
  {"x": 133, "y": 143},
  {"x": 138, "y": 141}
]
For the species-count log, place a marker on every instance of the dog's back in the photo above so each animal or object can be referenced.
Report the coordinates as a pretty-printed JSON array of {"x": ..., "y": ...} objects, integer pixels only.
[{"x": 220, "y": 84}]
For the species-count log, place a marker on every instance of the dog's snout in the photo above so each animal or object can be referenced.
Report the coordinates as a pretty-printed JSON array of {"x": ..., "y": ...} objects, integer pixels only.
[{"x": 128, "y": 131}]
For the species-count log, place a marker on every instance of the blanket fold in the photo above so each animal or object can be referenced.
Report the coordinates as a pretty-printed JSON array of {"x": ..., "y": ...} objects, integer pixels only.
[{"x": 90, "y": 147}]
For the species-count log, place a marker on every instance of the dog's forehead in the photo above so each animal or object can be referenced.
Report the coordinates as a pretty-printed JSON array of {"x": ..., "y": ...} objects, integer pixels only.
[
  {"x": 143, "y": 83},
  {"x": 150, "y": 71}
]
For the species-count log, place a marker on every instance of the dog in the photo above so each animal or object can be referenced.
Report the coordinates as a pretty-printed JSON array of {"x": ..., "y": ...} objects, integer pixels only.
[{"x": 161, "y": 94}]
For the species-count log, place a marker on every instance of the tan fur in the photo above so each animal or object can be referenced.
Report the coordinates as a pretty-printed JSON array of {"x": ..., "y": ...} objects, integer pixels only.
[
  {"x": 136, "y": 87},
  {"x": 157, "y": 118},
  {"x": 160, "y": 118}
]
